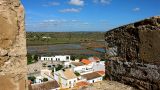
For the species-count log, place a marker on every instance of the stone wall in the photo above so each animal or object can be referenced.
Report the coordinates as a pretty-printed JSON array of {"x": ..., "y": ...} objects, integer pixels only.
[
  {"x": 134, "y": 54},
  {"x": 12, "y": 46}
]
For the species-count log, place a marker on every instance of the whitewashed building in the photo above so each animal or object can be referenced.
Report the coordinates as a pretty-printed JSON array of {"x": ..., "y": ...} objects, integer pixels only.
[
  {"x": 45, "y": 73},
  {"x": 92, "y": 77},
  {"x": 66, "y": 78},
  {"x": 56, "y": 58},
  {"x": 78, "y": 67},
  {"x": 39, "y": 79}
]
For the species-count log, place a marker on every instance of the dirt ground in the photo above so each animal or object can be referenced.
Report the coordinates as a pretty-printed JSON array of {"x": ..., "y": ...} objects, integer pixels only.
[{"x": 108, "y": 85}]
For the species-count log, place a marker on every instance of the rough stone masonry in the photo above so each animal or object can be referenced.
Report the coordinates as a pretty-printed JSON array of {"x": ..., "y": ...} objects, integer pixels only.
[
  {"x": 134, "y": 54},
  {"x": 13, "y": 64}
]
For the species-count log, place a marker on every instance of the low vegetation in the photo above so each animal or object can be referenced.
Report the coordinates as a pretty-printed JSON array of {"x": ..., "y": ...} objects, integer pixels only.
[
  {"x": 59, "y": 67},
  {"x": 42, "y": 38},
  {"x": 32, "y": 78},
  {"x": 77, "y": 74},
  {"x": 45, "y": 79},
  {"x": 31, "y": 58}
]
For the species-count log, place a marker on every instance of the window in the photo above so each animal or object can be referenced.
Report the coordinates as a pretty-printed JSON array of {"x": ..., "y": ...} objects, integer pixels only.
[
  {"x": 67, "y": 57},
  {"x": 93, "y": 81}
]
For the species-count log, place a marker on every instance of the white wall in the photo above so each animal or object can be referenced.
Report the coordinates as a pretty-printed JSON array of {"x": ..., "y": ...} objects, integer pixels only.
[
  {"x": 100, "y": 66},
  {"x": 79, "y": 68},
  {"x": 56, "y": 89},
  {"x": 64, "y": 82},
  {"x": 95, "y": 80},
  {"x": 39, "y": 79},
  {"x": 56, "y": 58},
  {"x": 61, "y": 80},
  {"x": 71, "y": 83}
]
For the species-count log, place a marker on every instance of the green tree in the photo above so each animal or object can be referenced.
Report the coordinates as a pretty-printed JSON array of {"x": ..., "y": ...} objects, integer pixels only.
[
  {"x": 29, "y": 59},
  {"x": 73, "y": 58},
  {"x": 32, "y": 78},
  {"x": 59, "y": 67},
  {"x": 45, "y": 79},
  {"x": 77, "y": 73},
  {"x": 44, "y": 64},
  {"x": 36, "y": 57}
]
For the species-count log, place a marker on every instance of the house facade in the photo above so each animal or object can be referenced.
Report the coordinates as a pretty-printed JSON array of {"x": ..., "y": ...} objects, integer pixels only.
[
  {"x": 56, "y": 58},
  {"x": 66, "y": 78},
  {"x": 92, "y": 77}
]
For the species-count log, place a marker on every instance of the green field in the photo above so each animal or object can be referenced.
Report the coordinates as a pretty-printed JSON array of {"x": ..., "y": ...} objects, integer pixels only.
[{"x": 39, "y": 38}]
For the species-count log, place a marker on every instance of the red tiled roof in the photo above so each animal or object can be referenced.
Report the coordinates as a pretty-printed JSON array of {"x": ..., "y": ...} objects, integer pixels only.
[
  {"x": 86, "y": 61},
  {"x": 101, "y": 72},
  {"x": 82, "y": 84},
  {"x": 96, "y": 58}
]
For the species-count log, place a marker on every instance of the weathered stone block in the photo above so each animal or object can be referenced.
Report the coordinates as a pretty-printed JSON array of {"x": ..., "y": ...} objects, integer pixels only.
[
  {"x": 136, "y": 61},
  {"x": 12, "y": 46}
]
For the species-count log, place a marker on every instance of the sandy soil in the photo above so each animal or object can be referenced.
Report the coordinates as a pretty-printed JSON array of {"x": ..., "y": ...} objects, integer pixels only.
[{"x": 108, "y": 85}]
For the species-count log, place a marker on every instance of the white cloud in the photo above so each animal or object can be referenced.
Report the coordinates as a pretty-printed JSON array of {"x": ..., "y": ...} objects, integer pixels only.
[
  {"x": 76, "y": 2},
  {"x": 136, "y": 9},
  {"x": 71, "y": 10},
  {"x": 102, "y": 1},
  {"x": 85, "y": 23},
  {"x": 52, "y": 4}
]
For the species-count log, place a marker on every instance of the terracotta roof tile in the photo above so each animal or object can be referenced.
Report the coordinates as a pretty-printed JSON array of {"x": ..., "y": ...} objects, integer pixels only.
[
  {"x": 77, "y": 63},
  {"x": 69, "y": 74},
  {"x": 92, "y": 75},
  {"x": 85, "y": 61},
  {"x": 82, "y": 84},
  {"x": 96, "y": 58},
  {"x": 101, "y": 72},
  {"x": 45, "y": 86}
]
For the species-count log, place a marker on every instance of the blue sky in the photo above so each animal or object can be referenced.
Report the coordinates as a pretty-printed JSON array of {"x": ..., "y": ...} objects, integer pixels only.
[{"x": 85, "y": 15}]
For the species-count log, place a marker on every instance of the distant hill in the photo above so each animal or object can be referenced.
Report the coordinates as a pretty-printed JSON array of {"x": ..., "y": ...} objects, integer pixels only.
[{"x": 41, "y": 38}]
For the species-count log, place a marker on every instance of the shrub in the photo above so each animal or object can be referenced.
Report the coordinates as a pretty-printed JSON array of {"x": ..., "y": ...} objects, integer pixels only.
[
  {"x": 59, "y": 67},
  {"x": 45, "y": 79},
  {"x": 32, "y": 78},
  {"x": 77, "y": 73}
]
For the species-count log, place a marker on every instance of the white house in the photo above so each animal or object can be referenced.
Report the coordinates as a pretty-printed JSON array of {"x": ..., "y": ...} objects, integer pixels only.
[
  {"x": 44, "y": 37},
  {"x": 92, "y": 77},
  {"x": 98, "y": 66},
  {"x": 94, "y": 59},
  {"x": 66, "y": 78},
  {"x": 87, "y": 66},
  {"x": 39, "y": 79},
  {"x": 55, "y": 58},
  {"x": 94, "y": 64},
  {"x": 78, "y": 67},
  {"x": 47, "y": 74}
]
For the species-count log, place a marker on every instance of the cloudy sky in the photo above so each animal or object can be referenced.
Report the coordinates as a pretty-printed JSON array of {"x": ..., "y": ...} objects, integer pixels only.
[{"x": 86, "y": 15}]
